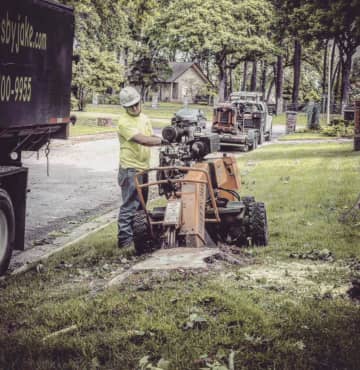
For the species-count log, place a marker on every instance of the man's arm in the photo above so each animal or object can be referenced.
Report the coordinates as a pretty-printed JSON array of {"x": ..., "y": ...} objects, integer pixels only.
[{"x": 146, "y": 140}]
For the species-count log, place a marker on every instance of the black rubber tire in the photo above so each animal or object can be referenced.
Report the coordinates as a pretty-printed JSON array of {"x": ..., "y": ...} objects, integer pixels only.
[
  {"x": 258, "y": 227},
  {"x": 261, "y": 137},
  {"x": 7, "y": 230},
  {"x": 248, "y": 200},
  {"x": 269, "y": 135},
  {"x": 254, "y": 144},
  {"x": 142, "y": 238},
  {"x": 243, "y": 239}
]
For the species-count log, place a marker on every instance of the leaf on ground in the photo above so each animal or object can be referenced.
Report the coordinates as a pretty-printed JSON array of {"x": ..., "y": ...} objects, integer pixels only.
[
  {"x": 195, "y": 322},
  {"x": 39, "y": 242},
  {"x": 216, "y": 365},
  {"x": 253, "y": 339},
  {"x": 144, "y": 361},
  {"x": 300, "y": 345},
  {"x": 145, "y": 364},
  {"x": 55, "y": 234},
  {"x": 315, "y": 255},
  {"x": 163, "y": 364}
]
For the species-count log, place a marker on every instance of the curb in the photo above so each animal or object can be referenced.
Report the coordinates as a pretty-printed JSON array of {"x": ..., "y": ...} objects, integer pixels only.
[{"x": 33, "y": 256}]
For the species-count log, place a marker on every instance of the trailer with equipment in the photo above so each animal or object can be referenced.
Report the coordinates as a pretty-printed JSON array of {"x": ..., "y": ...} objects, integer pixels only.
[{"x": 244, "y": 122}]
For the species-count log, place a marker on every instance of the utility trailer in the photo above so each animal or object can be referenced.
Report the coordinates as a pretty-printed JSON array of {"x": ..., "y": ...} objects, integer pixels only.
[
  {"x": 36, "y": 44},
  {"x": 244, "y": 122}
]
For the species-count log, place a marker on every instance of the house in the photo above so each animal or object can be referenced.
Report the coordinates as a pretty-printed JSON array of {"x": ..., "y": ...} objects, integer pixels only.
[{"x": 186, "y": 80}]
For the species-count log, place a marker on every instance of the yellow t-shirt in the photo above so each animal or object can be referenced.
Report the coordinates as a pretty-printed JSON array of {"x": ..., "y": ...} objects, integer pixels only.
[{"x": 133, "y": 155}]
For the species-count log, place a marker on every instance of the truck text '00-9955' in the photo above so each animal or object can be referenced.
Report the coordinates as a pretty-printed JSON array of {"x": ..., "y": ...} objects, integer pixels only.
[{"x": 15, "y": 89}]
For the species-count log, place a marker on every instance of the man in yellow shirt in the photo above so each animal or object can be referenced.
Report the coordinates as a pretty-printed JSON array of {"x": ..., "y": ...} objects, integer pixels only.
[{"x": 136, "y": 137}]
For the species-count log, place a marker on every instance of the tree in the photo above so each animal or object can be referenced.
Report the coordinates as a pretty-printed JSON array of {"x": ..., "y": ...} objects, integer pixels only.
[
  {"x": 338, "y": 20},
  {"x": 226, "y": 31},
  {"x": 96, "y": 72},
  {"x": 100, "y": 27}
]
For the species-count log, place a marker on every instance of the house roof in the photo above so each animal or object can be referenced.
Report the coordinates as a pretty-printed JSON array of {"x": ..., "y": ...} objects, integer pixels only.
[{"x": 179, "y": 68}]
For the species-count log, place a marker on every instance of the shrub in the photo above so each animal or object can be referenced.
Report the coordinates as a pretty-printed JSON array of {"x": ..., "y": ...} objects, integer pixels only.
[{"x": 339, "y": 128}]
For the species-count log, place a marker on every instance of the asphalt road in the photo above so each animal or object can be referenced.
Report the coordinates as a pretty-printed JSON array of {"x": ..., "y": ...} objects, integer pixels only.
[{"x": 82, "y": 184}]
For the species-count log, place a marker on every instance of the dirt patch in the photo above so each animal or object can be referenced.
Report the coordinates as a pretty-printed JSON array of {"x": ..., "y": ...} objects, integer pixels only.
[{"x": 307, "y": 278}]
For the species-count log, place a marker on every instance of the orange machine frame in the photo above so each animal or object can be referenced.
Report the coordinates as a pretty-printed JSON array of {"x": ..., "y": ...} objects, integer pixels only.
[{"x": 193, "y": 194}]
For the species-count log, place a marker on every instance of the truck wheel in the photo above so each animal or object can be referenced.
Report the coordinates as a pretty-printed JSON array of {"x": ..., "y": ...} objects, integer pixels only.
[
  {"x": 259, "y": 232},
  {"x": 261, "y": 138},
  {"x": 268, "y": 136},
  {"x": 254, "y": 143},
  {"x": 7, "y": 229},
  {"x": 142, "y": 238}
]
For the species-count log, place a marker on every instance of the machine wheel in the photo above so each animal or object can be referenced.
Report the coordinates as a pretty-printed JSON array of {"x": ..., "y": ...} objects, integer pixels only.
[
  {"x": 247, "y": 200},
  {"x": 142, "y": 238},
  {"x": 7, "y": 228},
  {"x": 258, "y": 227},
  {"x": 242, "y": 240}
]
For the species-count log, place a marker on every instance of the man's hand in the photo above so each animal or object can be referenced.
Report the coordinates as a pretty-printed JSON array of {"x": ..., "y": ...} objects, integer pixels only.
[{"x": 147, "y": 140}]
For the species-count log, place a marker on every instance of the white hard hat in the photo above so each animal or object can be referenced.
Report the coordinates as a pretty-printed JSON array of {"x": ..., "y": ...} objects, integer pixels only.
[{"x": 129, "y": 97}]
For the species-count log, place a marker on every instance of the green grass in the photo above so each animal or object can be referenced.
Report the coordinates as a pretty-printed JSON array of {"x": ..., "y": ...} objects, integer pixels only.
[
  {"x": 164, "y": 110},
  {"x": 87, "y": 122},
  {"x": 307, "y": 189},
  {"x": 263, "y": 320},
  {"x": 280, "y": 119},
  {"x": 305, "y": 136}
]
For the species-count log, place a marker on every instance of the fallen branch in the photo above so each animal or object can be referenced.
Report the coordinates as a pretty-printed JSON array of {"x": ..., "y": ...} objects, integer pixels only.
[{"x": 60, "y": 332}]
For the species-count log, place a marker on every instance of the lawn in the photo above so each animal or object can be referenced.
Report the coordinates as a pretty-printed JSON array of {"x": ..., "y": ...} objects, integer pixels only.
[
  {"x": 305, "y": 135},
  {"x": 164, "y": 110},
  {"x": 280, "y": 119},
  {"x": 287, "y": 308},
  {"x": 87, "y": 123},
  {"x": 160, "y": 117}
]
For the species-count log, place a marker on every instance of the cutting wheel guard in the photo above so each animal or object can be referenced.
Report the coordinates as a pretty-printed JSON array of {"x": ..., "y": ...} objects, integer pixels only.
[{"x": 207, "y": 182}]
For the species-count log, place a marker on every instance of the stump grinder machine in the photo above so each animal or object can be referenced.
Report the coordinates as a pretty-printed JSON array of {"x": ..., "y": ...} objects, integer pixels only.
[{"x": 203, "y": 207}]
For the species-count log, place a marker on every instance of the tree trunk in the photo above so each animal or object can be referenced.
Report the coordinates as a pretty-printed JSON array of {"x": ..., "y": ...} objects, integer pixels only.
[
  {"x": 297, "y": 73},
  {"x": 126, "y": 58},
  {"x": 270, "y": 90},
  {"x": 337, "y": 88},
  {"x": 334, "y": 76},
  {"x": 345, "y": 87},
  {"x": 279, "y": 76},
  {"x": 230, "y": 90},
  {"x": 221, "y": 79},
  {"x": 243, "y": 87},
  {"x": 263, "y": 78},
  {"x": 332, "y": 64},
  {"x": 226, "y": 87},
  {"x": 325, "y": 68},
  {"x": 253, "y": 76}
]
